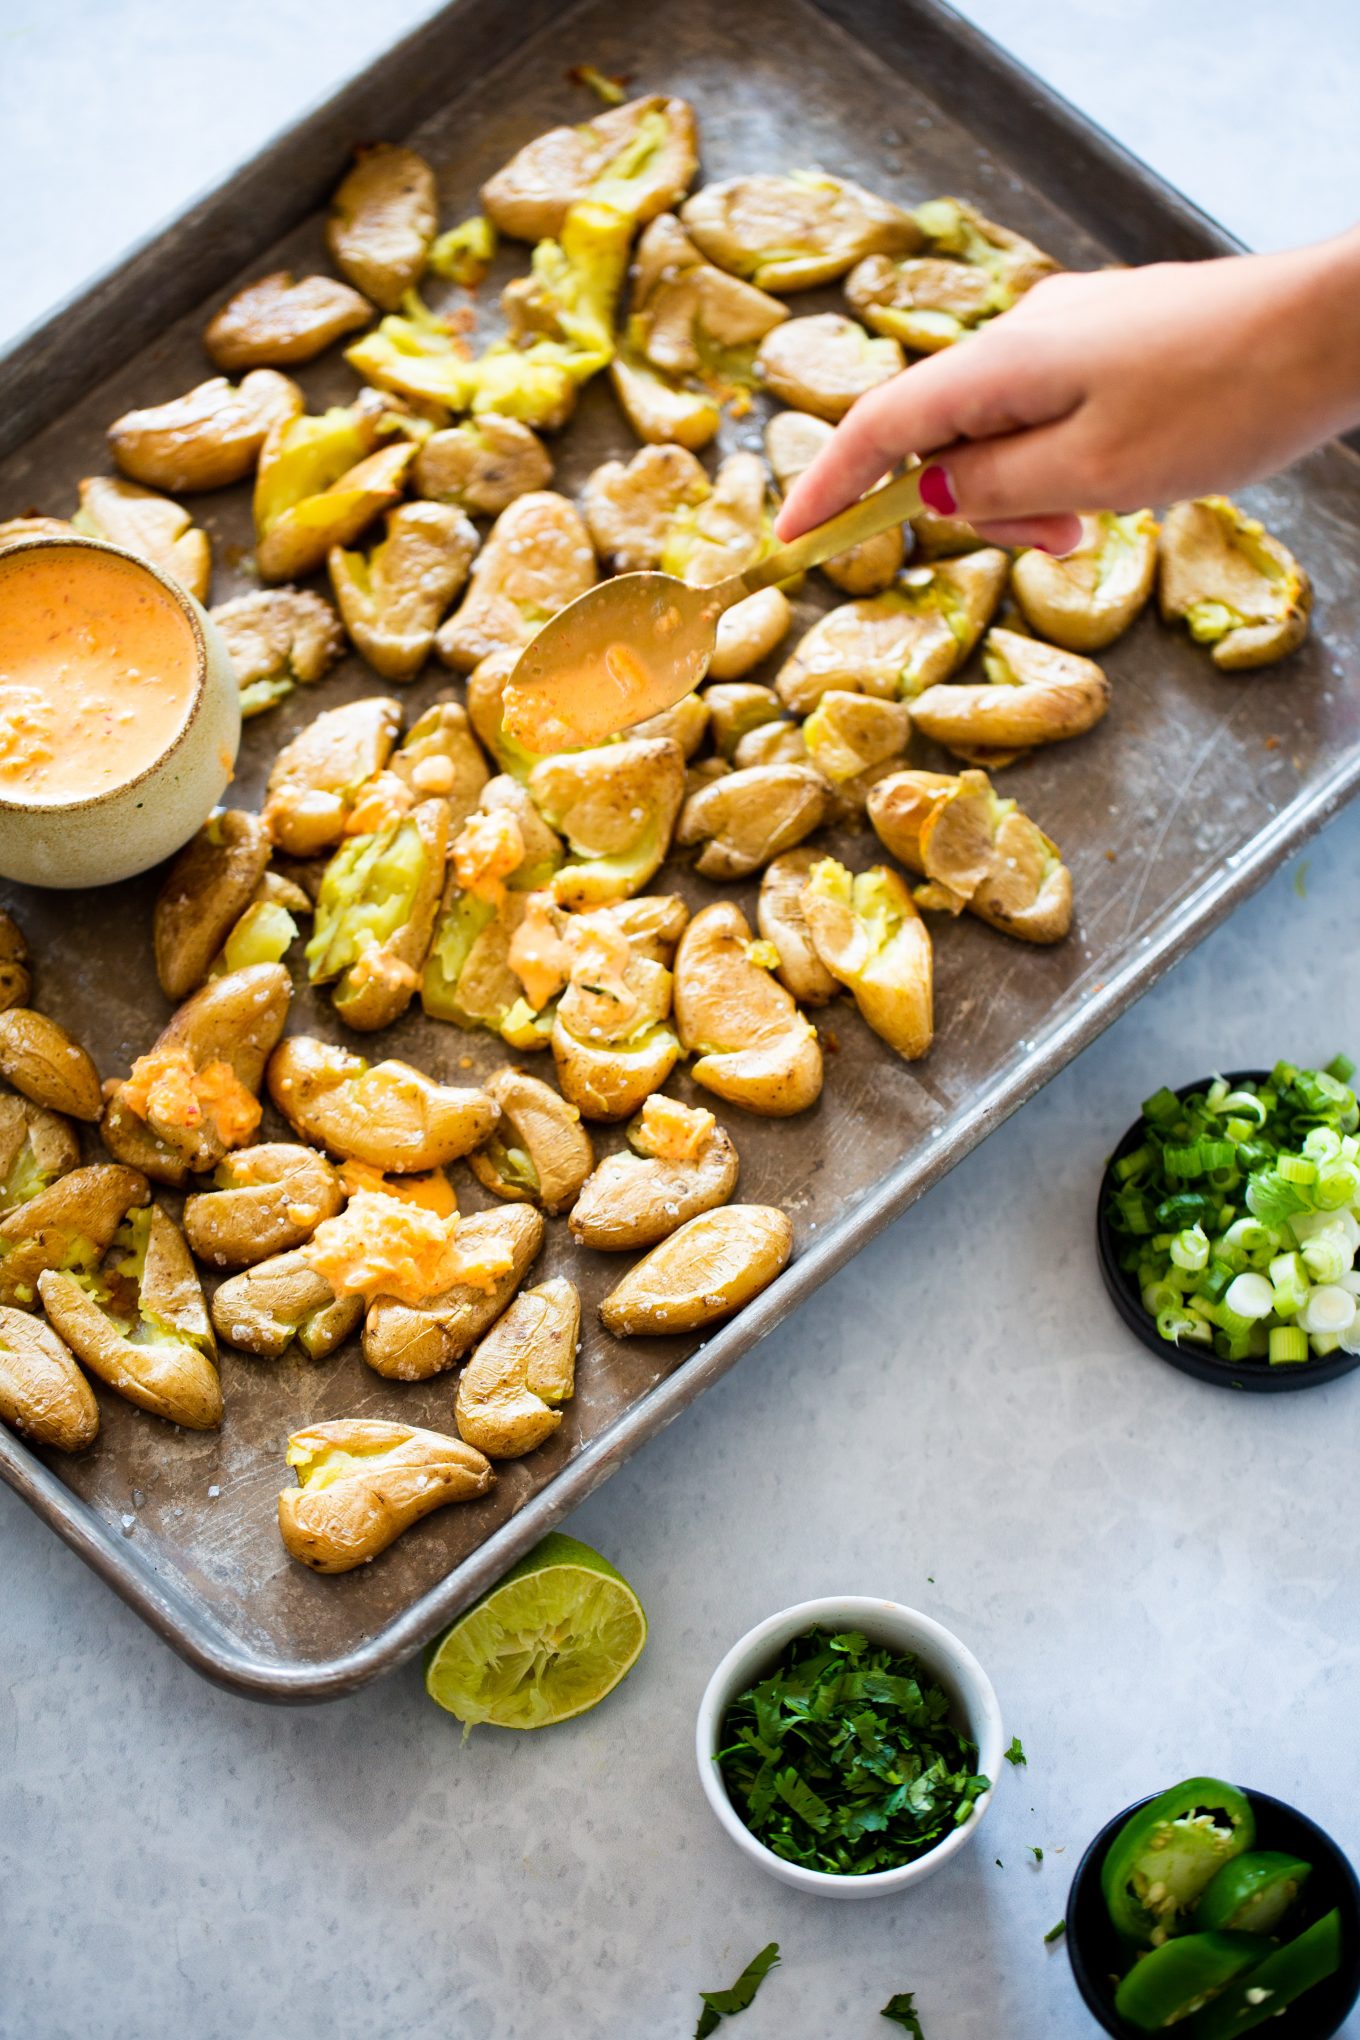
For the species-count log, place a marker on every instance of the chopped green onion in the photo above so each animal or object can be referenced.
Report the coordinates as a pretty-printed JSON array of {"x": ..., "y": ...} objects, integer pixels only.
[
  {"x": 1162, "y": 1109},
  {"x": 1287, "y": 1345},
  {"x": 1175, "y": 1325},
  {"x": 1134, "y": 1164},
  {"x": 1249, "y": 1297},
  {"x": 1326, "y": 1256},
  {"x": 1322, "y": 1144},
  {"x": 1324, "y": 1343},
  {"x": 1342, "y": 1068},
  {"x": 1297, "y": 1169},
  {"x": 1328, "y": 1309},
  {"x": 1247, "y": 1102},
  {"x": 1190, "y": 1249}
]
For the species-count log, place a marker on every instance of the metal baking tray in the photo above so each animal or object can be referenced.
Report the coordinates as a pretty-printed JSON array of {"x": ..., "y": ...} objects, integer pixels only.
[{"x": 1174, "y": 809}]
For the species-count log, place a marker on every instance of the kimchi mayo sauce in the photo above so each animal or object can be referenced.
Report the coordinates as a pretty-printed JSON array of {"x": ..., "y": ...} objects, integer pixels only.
[{"x": 98, "y": 666}]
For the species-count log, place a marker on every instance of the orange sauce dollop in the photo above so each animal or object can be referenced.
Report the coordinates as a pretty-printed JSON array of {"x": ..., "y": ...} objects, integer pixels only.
[{"x": 97, "y": 673}]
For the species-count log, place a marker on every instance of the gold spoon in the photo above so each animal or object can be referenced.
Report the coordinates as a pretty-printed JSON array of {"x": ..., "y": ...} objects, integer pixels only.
[{"x": 633, "y": 646}]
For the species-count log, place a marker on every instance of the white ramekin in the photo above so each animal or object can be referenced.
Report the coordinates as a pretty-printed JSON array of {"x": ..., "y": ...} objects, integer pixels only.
[
  {"x": 883, "y": 1622},
  {"x": 108, "y": 836}
]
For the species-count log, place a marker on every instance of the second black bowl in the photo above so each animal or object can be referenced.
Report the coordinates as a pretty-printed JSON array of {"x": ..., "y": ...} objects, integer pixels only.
[
  {"x": 1200, "y": 1361},
  {"x": 1099, "y": 1958}
]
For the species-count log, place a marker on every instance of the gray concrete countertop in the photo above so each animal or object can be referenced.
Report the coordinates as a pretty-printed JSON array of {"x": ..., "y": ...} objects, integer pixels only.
[{"x": 1158, "y": 1576}]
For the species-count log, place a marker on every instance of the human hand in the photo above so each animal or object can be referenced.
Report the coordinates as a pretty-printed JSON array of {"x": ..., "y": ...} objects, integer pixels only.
[{"x": 1114, "y": 390}]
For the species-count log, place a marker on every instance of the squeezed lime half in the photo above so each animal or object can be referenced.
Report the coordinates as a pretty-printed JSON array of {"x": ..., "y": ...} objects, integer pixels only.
[{"x": 549, "y": 1641}]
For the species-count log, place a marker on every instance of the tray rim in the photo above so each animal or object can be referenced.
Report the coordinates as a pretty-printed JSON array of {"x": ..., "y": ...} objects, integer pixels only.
[{"x": 202, "y": 1640}]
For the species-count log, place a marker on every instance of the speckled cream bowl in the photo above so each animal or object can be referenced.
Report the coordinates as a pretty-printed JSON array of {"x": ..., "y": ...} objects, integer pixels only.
[
  {"x": 110, "y": 835},
  {"x": 901, "y": 1629}
]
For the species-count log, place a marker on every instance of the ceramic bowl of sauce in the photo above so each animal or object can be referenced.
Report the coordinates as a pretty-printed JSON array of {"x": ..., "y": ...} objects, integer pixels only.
[{"x": 119, "y": 713}]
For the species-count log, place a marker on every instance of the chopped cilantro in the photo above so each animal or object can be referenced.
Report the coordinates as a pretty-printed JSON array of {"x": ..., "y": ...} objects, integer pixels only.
[
  {"x": 1055, "y": 1933},
  {"x": 724, "y": 2004},
  {"x": 901, "y": 2008},
  {"x": 1016, "y": 1753},
  {"x": 844, "y": 1758},
  {"x": 1036, "y": 1852}
]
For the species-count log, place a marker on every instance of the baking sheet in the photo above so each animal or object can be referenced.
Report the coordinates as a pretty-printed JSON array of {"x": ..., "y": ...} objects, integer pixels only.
[{"x": 1179, "y": 803}]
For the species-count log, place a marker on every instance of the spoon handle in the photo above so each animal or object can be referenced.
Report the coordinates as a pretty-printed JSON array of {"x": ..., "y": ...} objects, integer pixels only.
[{"x": 876, "y": 512}]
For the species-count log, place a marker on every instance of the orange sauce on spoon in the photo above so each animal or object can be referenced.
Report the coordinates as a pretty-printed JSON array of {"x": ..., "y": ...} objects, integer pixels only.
[{"x": 98, "y": 669}]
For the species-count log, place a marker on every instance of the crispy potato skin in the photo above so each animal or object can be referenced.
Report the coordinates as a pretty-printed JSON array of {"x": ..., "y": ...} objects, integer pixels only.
[
  {"x": 16, "y": 981},
  {"x": 34, "y": 1144},
  {"x": 84, "y": 1205},
  {"x": 753, "y": 1046},
  {"x": 712, "y": 1266},
  {"x": 528, "y": 197},
  {"x": 281, "y": 320},
  {"x": 400, "y": 1474},
  {"x": 628, "y": 505},
  {"x": 389, "y": 1114},
  {"x": 43, "y": 1393},
  {"x": 823, "y": 364},
  {"x": 897, "y": 644},
  {"x": 316, "y": 778},
  {"x": 1016, "y": 880},
  {"x": 780, "y": 919},
  {"x": 1058, "y": 695},
  {"x": 748, "y": 817},
  {"x": 786, "y": 234},
  {"x": 149, "y": 525},
  {"x": 535, "y": 1118},
  {"x": 537, "y": 559},
  {"x": 277, "y": 637},
  {"x": 48, "y": 1065},
  {"x": 891, "y": 975},
  {"x": 206, "y": 890},
  {"x": 176, "y": 1381},
  {"x": 411, "y": 1342},
  {"x": 384, "y": 215},
  {"x": 207, "y": 439},
  {"x": 635, "y": 1201},
  {"x": 269, "y": 1199},
  {"x": 510, "y": 1392},
  {"x": 1206, "y": 556},
  {"x": 1071, "y": 601},
  {"x": 617, "y": 806},
  {"x": 393, "y": 600},
  {"x": 482, "y": 464},
  {"x": 267, "y": 1306}
]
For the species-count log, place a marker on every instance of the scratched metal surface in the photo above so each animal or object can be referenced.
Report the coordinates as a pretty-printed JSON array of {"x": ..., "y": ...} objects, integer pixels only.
[{"x": 1179, "y": 803}]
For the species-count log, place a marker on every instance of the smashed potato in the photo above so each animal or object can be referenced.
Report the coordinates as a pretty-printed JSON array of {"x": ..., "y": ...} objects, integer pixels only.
[
  {"x": 362, "y": 1482},
  {"x": 16, "y": 980},
  {"x": 635, "y": 1200},
  {"x": 616, "y": 806},
  {"x": 794, "y": 232},
  {"x": 690, "y": 318},
  {"x": 854, "y": 740},
  {"x": 1090, "y": 596},
  {"x": 389, "y": 1115},
  {"x": 68, "y": 1225},
  {"x": 686, "y": 724},
  {"x": 824, "y": 363},
  {"x": 537, "y": 559},
  {"x": 660, "y": 410},
  {"x": 206, "y": 890},
  {"x": 47, "y": 1064},
  {"x": 439, "y": 758},
  {"x": 969, "y": 270},
  {"x": 14, "y": 530},
  {"x": 748, "y": 817},
  {"x": 195, "y": 1094},
  {"x": 278, "y": 638},
  {"x": 139, "y": 1322},
  {"x": 783, "y": 924},
  {"x": 279, "y": 1300},
  {"x": 413, "y": 1341},
  {"x": 748, "y": 632},
  {"x": 206, "y": 439},
  {"x": 482, "y": 465},
  {"x": 899, "y": 643},
  {"x": 1239, "y": 590},
  {"x": 974, "y": 850},
  {"x": 149, "y": 525},
  {"x": 375, "y": 914},
  {"x": 712, "y": 1266},
  {"x": 539, "y": 1152},
  {"x": 43, "y": 1394},
  {"x": 317, "y": 777},
  {"x": 753, "y": 1046},
  {"x": 637, "y": 159},
  {"x": 392, "y": 600},
  {"x": 384, "y": 215},
  {"x": 610, "y": 1039},
  {"x": 726, "y": 531},
  {"x": 264, "y": 1200},
  {"x": 793, "y": 439},
  {"x": 1034, "y": 694},
  {"x": 628, "y": 506},
  {"x": 868, "y": 933},
  {"x": 737, "y": 706},
  {"x": 281, "y": 320},
  {"x": 36, "y": 1146},
  {"x": 511, "y": 1391},
  {"x": 321, "y": 480},
  {"x": 772, "y": 743}
]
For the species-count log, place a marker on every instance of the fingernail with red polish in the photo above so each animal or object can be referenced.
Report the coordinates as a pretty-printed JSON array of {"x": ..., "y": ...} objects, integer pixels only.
[{"x": 937, "y": 491}]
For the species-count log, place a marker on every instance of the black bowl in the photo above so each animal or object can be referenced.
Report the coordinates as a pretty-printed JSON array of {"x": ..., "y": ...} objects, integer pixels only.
[
  {"x": 1200, "y": 1361},
  {"x": 1099, "y": 1957}
]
